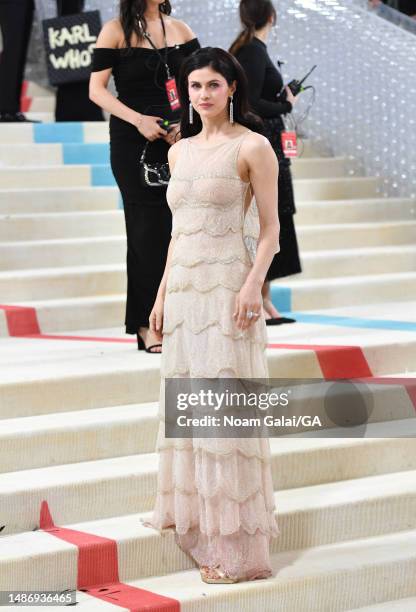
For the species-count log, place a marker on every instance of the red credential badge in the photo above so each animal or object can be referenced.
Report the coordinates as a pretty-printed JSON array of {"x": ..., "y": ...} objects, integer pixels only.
[
  {"x": 172, "y": 92},
  {"x": 289, "y": 144}
]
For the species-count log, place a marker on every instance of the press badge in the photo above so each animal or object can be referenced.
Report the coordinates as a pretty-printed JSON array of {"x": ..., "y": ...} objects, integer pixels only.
[
  {"x": 289, "y": 144},
  {"x": 172, "y": 92}
]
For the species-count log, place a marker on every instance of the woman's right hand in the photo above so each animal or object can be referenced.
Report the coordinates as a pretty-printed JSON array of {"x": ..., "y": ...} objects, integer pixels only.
[
  {"x": 290, "y": 97},
  {"x": 156, "y": 318},
  {"x": 147, "y": 126}
]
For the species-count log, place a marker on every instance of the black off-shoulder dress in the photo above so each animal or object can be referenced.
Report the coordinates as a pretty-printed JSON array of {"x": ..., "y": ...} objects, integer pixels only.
[
  {"x": 139, "y": 77},
  {"x": 265, "y": 82}
]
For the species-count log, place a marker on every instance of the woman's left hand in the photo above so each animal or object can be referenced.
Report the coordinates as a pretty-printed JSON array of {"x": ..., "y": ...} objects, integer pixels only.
[
  {"x": 171, "y": 136},
  {"x": 248, "y": 300}
]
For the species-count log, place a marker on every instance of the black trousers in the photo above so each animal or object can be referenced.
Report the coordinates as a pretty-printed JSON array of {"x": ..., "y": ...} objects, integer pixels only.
[
  {"x": 72, "y": 99},
  {"x": 16, "y": 18}
]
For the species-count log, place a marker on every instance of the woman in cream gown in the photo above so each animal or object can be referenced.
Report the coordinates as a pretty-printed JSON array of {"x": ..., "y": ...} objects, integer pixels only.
[{"x": 217, "y": 493}]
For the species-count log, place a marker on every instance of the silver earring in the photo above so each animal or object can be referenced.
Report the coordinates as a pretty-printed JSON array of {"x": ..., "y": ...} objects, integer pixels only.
[
  {"x": 231, "y": 110},
  {"x": 191, "y": 113}
]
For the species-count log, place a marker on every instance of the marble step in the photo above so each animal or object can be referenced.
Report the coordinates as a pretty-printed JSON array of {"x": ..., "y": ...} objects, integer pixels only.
[
  {"x": 42, "y": 103},
  {"x": 98, "y": 131},
  {"x": 332, "y": 576},
  {"x": 408, "y": 604},
  {"x": 71, "y": 131},
  {"x": 44, "y": 226},
  {"x": 351, "y": 235},
  {"x": 50, "y": 203},
  {"x": 67, "y": 313},
  {"x": 335, "y": 188},
  {"x": 127, "y": 485},
  {"x": 321, "y": 293},
  {"x": 43, "y": 116},
  {"x": 365, "y": 210},
  {"x": 54, "y": 154},
  {"x": 71, "y": 281},
  {"x": 340, "y": 263},
  {"x": 52, "y": 176},
  {"x": 101, "y": 433},
  {"x": 78, "y": 280},
  {"x": 33, "y": 89},
  {"x": 66, "y": 252},
  {"x": 101, "y": 368},
  {"x": 337, "y": 241}
]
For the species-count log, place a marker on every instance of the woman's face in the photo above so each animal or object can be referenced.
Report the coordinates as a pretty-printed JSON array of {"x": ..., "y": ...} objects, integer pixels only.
[{"x": 209, "y": 91}]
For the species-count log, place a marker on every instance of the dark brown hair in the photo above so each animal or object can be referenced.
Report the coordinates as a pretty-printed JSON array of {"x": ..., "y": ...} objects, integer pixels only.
[
  {"x": 254, "y": 14},
  {"x": 132, "y": 13},
  {"x": 225, "y": 64}
]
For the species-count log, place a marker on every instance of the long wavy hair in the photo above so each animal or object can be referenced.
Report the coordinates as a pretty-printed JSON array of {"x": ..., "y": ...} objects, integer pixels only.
[
  {"x": 132, "y": 13},
  {"x": 225, "y": 64},
  {"x": 254, "y": 14}
]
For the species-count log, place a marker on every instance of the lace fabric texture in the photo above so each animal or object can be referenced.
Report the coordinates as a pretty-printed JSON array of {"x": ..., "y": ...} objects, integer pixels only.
[{"x": 216, "y": 493}]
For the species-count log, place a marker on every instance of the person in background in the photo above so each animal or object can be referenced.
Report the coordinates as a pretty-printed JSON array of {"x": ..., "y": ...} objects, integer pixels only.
[
  {"x": 140, "y": 73},
  {"x": 16, "y": 19},
  {"x": 72, "y": 99},
  {"x": 265, "y": 84}
]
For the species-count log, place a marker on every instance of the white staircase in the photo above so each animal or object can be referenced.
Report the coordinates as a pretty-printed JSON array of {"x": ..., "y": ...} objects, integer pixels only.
[{"x": 78, "y": 403}]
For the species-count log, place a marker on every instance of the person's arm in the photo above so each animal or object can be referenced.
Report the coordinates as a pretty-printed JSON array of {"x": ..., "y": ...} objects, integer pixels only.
[
  {"x": 104, "y": 58},
  {"x": 254, "y": 60},
  {"x": 263, "y": 169}
]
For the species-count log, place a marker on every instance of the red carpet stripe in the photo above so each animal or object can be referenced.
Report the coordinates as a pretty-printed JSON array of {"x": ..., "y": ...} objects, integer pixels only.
[
  {"x": 25, "y": 101},
  {"x": 98, "y": 573},
  {"x": 21, "y": 320},
  {"x": 335, "y": 361}
]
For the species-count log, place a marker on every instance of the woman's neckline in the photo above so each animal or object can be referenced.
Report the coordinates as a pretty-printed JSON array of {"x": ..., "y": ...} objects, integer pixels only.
[
  {"x": 158, "y": 48},
  {"x": 212, "y": 146}
]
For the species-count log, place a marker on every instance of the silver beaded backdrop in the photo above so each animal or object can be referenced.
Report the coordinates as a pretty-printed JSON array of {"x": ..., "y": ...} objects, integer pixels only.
[{"x": 365, "y": 105}]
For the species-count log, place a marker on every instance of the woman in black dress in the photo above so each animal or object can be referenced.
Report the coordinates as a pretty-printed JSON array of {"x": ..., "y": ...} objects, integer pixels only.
[
  {"x": 139, "y": 69},
  {"x": 265, "y": 84}
]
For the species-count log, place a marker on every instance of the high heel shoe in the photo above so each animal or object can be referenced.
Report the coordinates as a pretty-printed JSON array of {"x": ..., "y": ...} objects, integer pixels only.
[
  {"x": 142, "y": 347},
  {"x": 220, "y": 577}
]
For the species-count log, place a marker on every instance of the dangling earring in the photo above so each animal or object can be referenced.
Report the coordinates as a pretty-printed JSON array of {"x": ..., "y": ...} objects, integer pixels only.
[
  {"x": 191, "y": 113},
  {"x": 231, "y": 109}
]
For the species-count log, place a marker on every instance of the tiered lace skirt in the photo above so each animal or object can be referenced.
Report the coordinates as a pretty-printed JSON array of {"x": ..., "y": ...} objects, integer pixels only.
[{"x": 216, "y": 492}]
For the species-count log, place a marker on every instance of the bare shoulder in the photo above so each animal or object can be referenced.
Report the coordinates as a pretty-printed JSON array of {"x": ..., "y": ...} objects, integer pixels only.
[
  {"x": 255, "y": 143},
  {"x": 173, "y": 152},
  {"x": 256, "y": 157},
  {"x": 183, "y": 29},
  {"x": 111, "y": 34}
]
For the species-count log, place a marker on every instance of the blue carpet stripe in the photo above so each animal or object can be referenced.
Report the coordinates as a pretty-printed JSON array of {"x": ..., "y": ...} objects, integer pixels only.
[
  {"x": 358, "y": 322},
  {"x": 86, "y": 153},
  {"x": 58, "y": 132},
  {"x": 281, "y": 297},
  {"x": 102, "y": 176}
]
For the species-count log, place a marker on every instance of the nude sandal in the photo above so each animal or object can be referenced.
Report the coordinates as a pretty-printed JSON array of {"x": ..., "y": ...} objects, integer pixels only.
[{"x": 220, "y": 577}]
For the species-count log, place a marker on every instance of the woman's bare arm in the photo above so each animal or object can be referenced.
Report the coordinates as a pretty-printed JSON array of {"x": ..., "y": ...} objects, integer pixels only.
[
  {"x": 262, "y": 167},
  {"x": 263, "y": 170}
]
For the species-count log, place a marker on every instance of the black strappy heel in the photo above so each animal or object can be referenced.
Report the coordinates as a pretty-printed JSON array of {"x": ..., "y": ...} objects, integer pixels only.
[{"x": 142, "y": 347}]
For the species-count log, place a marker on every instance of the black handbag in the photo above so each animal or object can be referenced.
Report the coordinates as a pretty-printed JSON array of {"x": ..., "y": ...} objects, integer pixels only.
[{"x": 153, "y": 174}]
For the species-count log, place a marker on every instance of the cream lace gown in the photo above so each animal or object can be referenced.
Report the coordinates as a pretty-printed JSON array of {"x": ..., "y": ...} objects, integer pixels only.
[{"x": 217, "y": 493}]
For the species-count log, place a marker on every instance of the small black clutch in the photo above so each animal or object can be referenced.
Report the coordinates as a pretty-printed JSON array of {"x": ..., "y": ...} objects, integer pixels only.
[{"x": 153, "y": 174}]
